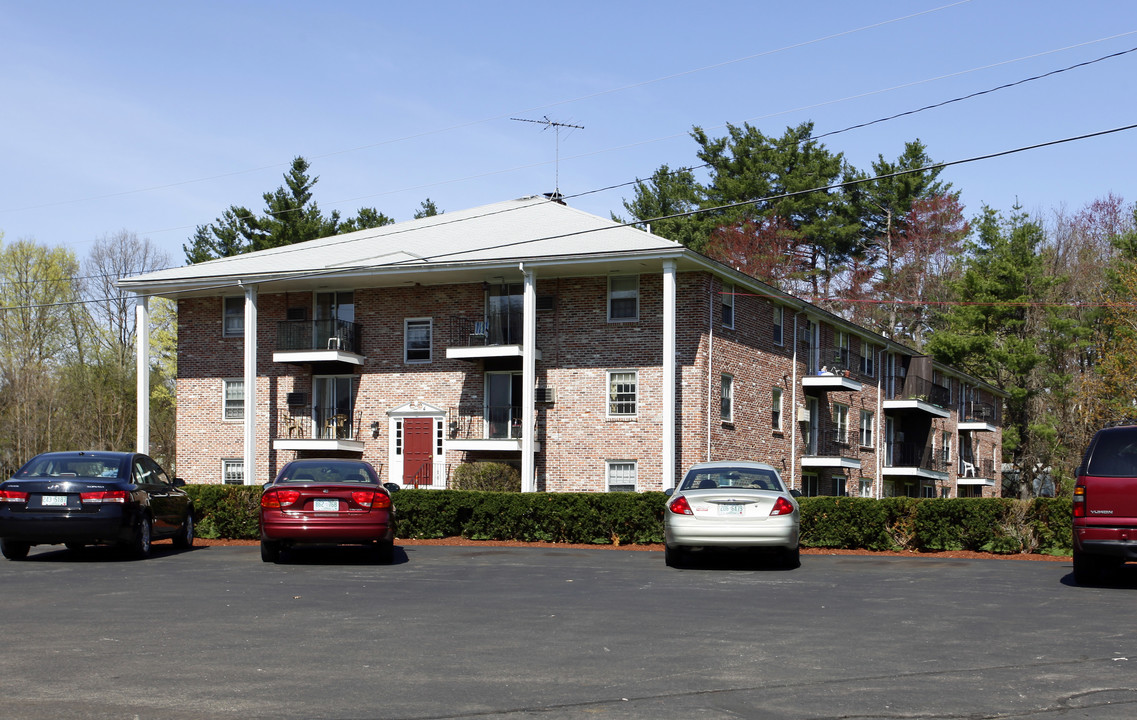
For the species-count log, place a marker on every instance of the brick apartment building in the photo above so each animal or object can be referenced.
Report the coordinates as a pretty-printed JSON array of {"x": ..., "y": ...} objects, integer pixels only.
[{"x": 592, "y": 356}]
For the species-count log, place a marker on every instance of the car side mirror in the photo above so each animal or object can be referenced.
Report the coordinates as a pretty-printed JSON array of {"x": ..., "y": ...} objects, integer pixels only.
[
  {"x": 178, "y": 482},
  {"x": 1080, "y": 471},
  {"x": 391, "y": 487},
  {"x": 795, "y": 493},
  {"x": 669, "y": 492}
]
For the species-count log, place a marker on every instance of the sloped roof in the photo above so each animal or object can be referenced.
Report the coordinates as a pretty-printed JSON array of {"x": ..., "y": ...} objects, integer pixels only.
[{"x": 516, "y": 230}]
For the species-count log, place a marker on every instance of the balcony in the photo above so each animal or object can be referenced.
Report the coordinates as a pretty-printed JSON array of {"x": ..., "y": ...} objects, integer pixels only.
[
  {"x": 833, "y": 449},
  {"x": 914, "y": 459},
  {"x": 303, "y": 342},
  {"x": 836, "y": 373},
  {"x": 976, "y": 472},
  {"x": 978, "y": 417},
  {"x": 492, "y": 337},
  {"x": 320, "y": 429},
  {"x": 919, "y": 394},
  {"x": 485, "y": 428}
]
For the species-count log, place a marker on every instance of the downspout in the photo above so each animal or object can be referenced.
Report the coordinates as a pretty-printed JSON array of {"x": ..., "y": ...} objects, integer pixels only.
[
  {"x": 142, "y": 363},
  {"x": 880, "y": 424},
  {"x": 710, "y": 362},
  {"x": 250, "y": 455},
  {"x": 793, "y": 410},
  {"x": 669, "y": 298},
  {"x": 528, "y": 381}
]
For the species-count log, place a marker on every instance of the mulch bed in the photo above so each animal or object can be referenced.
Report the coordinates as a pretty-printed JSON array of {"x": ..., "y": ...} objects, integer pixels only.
[{"x": 460, "y": 541}]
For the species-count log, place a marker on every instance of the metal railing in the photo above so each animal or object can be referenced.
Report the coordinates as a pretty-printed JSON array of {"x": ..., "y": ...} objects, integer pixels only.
[
  {"x": 493, "y": 422},
  {"x": 976, "y": 468},
  {"x": 911, "y": 454},
  {"x": 976, "y": 411},
  {"x": 914, "y": 387},
  {"x": 834, "y": 443},
  {"x": 317, "y": 424},
  {"x": 319, "y": 335},
  {"x": 494, "y": 329}
]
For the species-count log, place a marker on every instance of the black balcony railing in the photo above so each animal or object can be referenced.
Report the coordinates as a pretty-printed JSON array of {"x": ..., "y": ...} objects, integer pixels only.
[
  {"x": 915, "y": 455},
  {"x": 494, "y": 422},
  {"x": 976, "y": 411},
  {"x": 976, "y": 468},
  {"x": 318, "y": 335},
  {"x": 833, "y": 443},
  {"x": 841, "y": 360},
  {"x": 915, "y": 387},
  {"x": 317, "y": 424},
  {"x": 494, "y": 329}
]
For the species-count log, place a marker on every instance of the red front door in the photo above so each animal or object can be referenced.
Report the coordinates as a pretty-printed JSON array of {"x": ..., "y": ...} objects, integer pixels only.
[{"x": 418, "y": 451}]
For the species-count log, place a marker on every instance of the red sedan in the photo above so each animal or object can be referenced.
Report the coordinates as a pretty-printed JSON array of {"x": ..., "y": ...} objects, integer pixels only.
[{"x": 327, "y": 501}]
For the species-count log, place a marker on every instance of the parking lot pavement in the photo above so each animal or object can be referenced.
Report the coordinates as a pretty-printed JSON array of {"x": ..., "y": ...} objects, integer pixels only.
[{"x": 451, "y": 632}]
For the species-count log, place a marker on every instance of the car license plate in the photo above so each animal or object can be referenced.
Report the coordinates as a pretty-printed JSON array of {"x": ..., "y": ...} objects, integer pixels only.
[
  {"x": 730, "y": 509},
  {"x": 54, "y": 501},
  {"x": 326, "y": 505}
]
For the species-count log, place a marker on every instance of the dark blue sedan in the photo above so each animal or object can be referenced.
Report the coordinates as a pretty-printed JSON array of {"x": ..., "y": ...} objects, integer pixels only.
[{"x": 93, "y": 498}]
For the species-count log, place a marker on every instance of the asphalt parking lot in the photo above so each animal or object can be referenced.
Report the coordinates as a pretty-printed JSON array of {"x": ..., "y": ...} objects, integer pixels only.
[{"x": 459, "y": 632}]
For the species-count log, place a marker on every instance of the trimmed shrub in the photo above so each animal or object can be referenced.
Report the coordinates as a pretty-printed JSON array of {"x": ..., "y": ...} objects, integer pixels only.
[
  {"x": 226, "y": 511},
  {"x": 491, "y": 476},
  {"x": 844, "y": 522}
]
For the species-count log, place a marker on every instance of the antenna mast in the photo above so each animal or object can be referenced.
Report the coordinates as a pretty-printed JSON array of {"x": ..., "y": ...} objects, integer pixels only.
[{"x": 557, "y": 128}]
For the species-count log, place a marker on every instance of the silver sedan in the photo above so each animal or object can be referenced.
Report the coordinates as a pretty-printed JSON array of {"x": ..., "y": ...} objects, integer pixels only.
[{"x": 732, "y": 505}]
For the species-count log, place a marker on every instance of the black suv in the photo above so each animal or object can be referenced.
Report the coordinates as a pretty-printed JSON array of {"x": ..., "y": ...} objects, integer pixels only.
[{"x": 1105, "y": 504}]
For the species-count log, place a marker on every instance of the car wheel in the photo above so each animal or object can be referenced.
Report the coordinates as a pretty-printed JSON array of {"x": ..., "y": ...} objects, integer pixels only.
[
  {"x": 384, "y": 552},
  {"x": 270, "y": 551},
  {"x": 140, "y": 545},
  {"x": 14, "y": 550},
  {"x": 184, "y": 539},
  {"x": 791, "y": 557},
  {"x": 675, "y": 557}
]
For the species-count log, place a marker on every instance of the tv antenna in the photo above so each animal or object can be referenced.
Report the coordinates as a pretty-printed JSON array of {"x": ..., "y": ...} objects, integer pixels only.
[{"x": 557, "y": 128}]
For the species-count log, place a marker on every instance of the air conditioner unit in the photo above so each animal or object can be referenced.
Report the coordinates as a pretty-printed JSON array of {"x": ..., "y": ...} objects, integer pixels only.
[
  {"x": 545, "y": 395},
  {"x": 901, "y": 371},
  {"x": 804, "y": 335},
  {"x": 803, "y": 414},
  {"x": 296, "y": 399},
  {"x": 546, "y": 302},
  {"x": 296, "y": 313}
]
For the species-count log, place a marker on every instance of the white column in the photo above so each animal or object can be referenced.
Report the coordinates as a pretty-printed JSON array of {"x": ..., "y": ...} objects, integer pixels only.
[
  {"x": 250, "y": 458},
  {"x": 528, "y": 383},
  {"x": 669, "y": 393},
  {"x": 142, "y": 363}
]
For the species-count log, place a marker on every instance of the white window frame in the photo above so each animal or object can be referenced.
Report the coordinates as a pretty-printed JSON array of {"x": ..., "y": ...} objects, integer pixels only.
[
  {"x": 866, "y": 431},
  {"x": 868, "y": 359},
  {"x": 841, "y": 422},
  {"x": 237, "y": 316},
  {"x": 419, "y": 322},
  {"x": 621, "y": 470},
  {"x": 230, "y": 466},
  {"x": 624, "y": 294},
  {"x": 864, "y": 487},
  {"x": 779, "y": 333},
  {"x": 842, "y": 344},
  {"x": 225, "y": 400},
  {"x": 810, "y": 484},
  {"x": 728, "y": 305},
  {"x": 610, "y": 400},
  {"x": 726, "y": 398},
  {"x": 776, "y": 408}
]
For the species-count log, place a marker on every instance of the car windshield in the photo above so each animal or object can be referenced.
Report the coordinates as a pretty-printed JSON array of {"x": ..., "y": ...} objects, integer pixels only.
[
  {"x": 731, "y": 477},
  {"x": 71, "y": 466},
  {"x": 327, "y": 471}
]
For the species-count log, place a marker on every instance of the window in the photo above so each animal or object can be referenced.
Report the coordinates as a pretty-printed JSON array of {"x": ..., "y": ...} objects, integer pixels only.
[
  {"x": 621, "y": 476},
  {"x": 841, "y": 420},
  {"x": 945, "y": 448},
  {"x": 417, "y": 340},
  {"x": 776, "y": 409},
  {"x": 864, "y": 488},
  {"x": 622, "y": 387},
  {"x": 233, "y": 472},
  {"x": 728, "y": 305},
  {"x": 233, "y": 322},
  {"x": 234, "y": 399},
  {"x": 841, "y": 353},
  {"x": 809, "y": 485},
  {"x": 623, "y": 298},
  {"x": 868, "y": 352},
  {"x": 726, "y": 399},
  {"x": 866, "y": 428},
  {"x": 779, "y": 317}
]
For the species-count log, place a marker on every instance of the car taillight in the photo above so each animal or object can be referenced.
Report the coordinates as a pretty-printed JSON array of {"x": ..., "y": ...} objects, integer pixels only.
[
  {"x": 1079, "y": 501},
  {"x": 13, "y": 496},
  {"x": 680, "y": 506},
  {"x": 782, "y": 507},
  {"x": 279, "y": 498},
  {"x": 371, "y": 499},
  {"x": 104, "y": 496}
]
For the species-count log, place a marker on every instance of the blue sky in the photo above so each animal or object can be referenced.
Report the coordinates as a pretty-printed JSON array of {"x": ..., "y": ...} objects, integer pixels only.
[{"x": 154, "y": 117}]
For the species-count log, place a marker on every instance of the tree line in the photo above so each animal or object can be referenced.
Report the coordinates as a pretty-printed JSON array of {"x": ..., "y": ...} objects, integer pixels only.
[{"x": 1041, "y": 307}]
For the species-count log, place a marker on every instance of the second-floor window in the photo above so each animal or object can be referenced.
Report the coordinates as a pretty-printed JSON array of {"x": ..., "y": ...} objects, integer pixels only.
[
  {"x": 779, "y": 317},
  {"x": 868, "y": 352},
  {"x": 623, "y": 298},
  {"x": 726, "y": 410},
  {"x": 841, "y": 420},
  {"x": 234, "y": 399},
  {"x": 622, "y": 392},
  {"x": 727, "y": 305},
  {"x": 233, "y": 320},
  {"x": 776, "y": 409},
  {"x": 417, "y": 340},
  {"x": 866, "y": 428}
]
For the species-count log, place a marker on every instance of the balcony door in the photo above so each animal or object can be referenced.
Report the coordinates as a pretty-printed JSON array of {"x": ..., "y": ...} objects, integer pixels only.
[
  {"x": 504, "y": 305},
  {"x": 333, "y": 403},
  {"x": 503, "y": 405},
  {"x": 335, "y": 313}
]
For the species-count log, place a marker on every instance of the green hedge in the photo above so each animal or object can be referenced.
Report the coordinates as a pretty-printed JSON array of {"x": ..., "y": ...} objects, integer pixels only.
[{"x": 998, "y": 525}]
